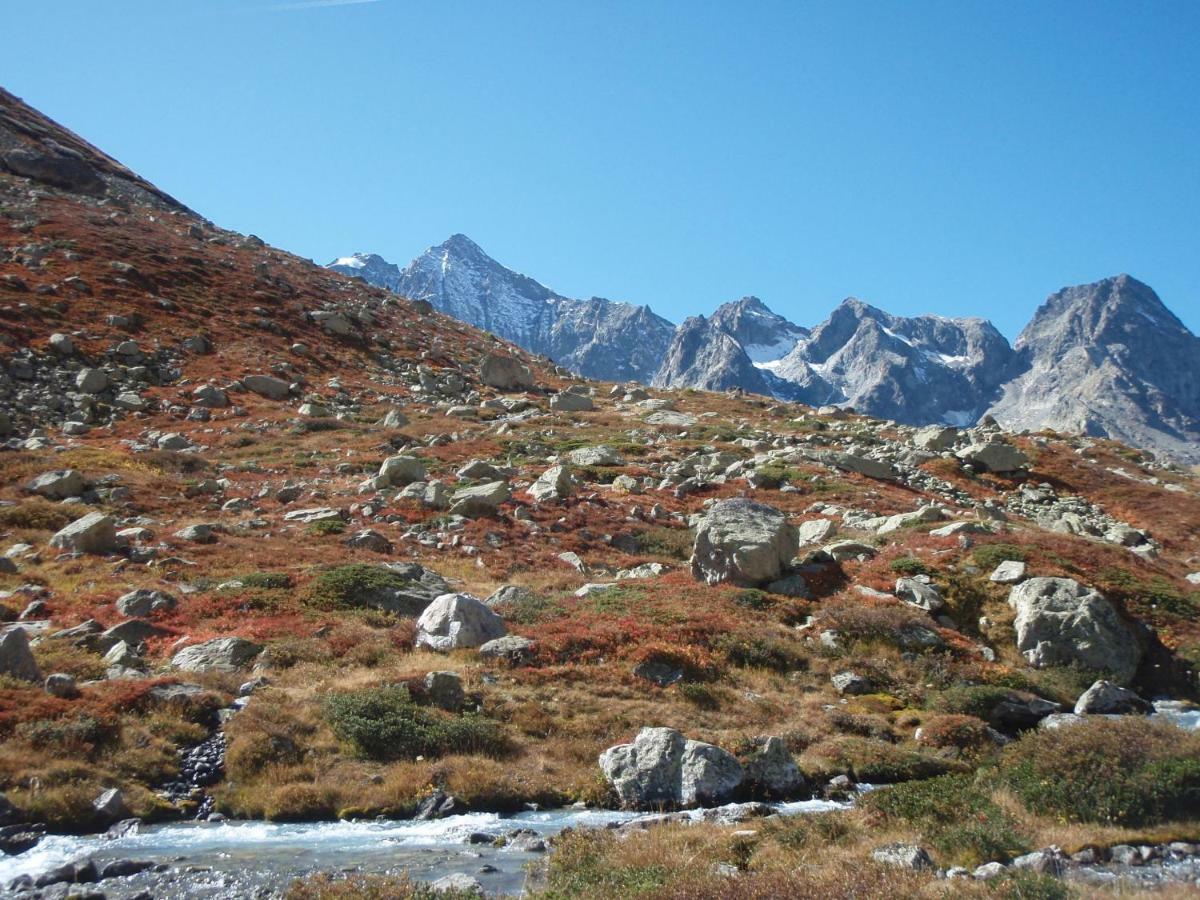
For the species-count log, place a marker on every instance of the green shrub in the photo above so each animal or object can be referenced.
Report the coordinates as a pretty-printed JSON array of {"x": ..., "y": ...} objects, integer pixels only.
[
  {"x": 874, "y": 762},
  {"x": 752, "y": 652},
  {"x": 752, "y": 598},
  {"x": 976, "y": 700},
  {"x": 360, "y": 585},
  {"x": 1129, "y": 771},
  {"x": 699, "y": 695},
  {"x": 268, "y": 581},
  {"x": 384, "y": 723},
  {"x": 327, "y": 526},
  {"x": 955, "y": 815},
  {"x": 910, "y": 565},
  {"x": 991, "y": 555}
]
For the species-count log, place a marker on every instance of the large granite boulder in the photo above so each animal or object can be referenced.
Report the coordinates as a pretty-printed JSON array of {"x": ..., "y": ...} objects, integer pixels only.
[
  {"x": 994, "y": 456},
  {"x": 455, "y": 621},
  {"x": 57, "y": 485},
  {"x": 228, "y": 654},
  {"x": 661, "y": 768},
  {"x": 504, "y": 373},
  {"x": 93, "y": 533},
  {"x": 771, "y": 770},
  {"x": 1061, "y": 622},
  {"x": 742, "y": 542},
  {"x": 16, "y": 659}
]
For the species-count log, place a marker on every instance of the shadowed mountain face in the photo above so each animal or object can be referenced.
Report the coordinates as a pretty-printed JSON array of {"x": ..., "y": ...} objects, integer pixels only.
[{"x": 1108, "y": 359}]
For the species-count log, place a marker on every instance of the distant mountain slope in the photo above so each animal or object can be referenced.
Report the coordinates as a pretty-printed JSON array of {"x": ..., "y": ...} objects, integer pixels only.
[
  {"x": 1108, "y": 359},
  {"x": 598, "y": 338},
  {"x": 914, "y": 370}
]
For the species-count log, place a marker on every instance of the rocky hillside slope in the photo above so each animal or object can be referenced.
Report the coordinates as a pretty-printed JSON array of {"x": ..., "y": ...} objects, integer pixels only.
[
  {"x": 918, "y": 370},
  {"x": 276, "y": 543}
]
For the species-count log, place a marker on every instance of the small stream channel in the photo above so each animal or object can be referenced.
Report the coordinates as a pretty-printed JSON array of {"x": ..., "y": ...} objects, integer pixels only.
[{"x": 260, "y": 859}]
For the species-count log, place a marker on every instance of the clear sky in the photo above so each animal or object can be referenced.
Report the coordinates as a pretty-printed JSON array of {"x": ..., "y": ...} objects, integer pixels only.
[{"x": 961, "y": 157}]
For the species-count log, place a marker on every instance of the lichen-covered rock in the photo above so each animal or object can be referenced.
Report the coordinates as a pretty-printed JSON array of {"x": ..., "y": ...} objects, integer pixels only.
[
  {"x": 742, "y": 542},
  {"x": 771, "y": 770},
  {"x": 1060, "y": 622},
  {"x": 16, "y": 659},
  {"x": 93, "y": 533},
  {"x": 662, "y": 768},
  {"x": 455, "y": 621},
  {"x": 228, "y": 654},
  {"x": 504, "y": 373}
]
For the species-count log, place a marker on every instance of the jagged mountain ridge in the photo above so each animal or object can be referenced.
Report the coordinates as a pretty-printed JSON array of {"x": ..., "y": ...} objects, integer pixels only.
[
  {"x": 598, "y": 338},
  {"x": 1085, "y": 363},
  {"x": 1108, "y": 359}
]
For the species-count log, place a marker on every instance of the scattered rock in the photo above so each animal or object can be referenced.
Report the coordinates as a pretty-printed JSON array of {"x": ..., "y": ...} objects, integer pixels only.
[
  {"x": 742, "y": 542},
  {"x": 93, "y": 533},
  {"x": 1061, "y": 622},
  {"x": 455, "y": 621},
  {"x": 228, "y": 654}
]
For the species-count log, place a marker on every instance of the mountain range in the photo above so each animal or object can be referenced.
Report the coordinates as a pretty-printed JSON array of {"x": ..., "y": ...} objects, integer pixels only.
[{"x": 1106, "y": 359}]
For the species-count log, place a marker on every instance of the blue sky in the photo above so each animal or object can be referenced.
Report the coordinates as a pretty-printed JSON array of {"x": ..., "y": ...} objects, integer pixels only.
[{"x": 949, "y": 157}]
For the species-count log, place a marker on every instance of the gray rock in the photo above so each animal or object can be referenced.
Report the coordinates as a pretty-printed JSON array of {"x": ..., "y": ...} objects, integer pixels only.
[
  {"x": 772, "y": 771},
  {"x": 504, "y": 373},
  {"x": 110, "y": 806},
  {"x": 456, "y": 882},
  {"x": 512, "y": 647},
  {"x": 142, "y": 602},
  {"x": 841, "y": 551},
  {"x": 566, "y": 401},
  {"x": 988, "y": 871},
  {"x": 210, "y": 396},
  {"x": 596, "y": 456},
  {"x": 661, "y": 768},
  {"x": 91, "y": 381},
  {"x": 228, "y": 654},
  {"x": 57, "y": 485},
  {"x": 267, "y": 386},
  {"x": 1060, "y": 622},
  {"x": 369, "y": 539},
  {"x": 445, "y": 690},
  {"x": 197, "y": 534},
  {"x": 935, "y": 438},
  {"x": 994, "y": 456},
  {"x": 456, "y": 621},
  {"x": 742, "y": 542},
  {"x": 397, "y": 471},
  {"x": 1011, "y": 571},
  {"x": 480, "y": 500},
  {"x": 16, "y": 659},
  {"x": 814, "y": 531},
  {"x": 851, "y": 683},
  {"x": 556, "y": 483},
  {"x": 1106, "y": 698},
  {"x": 93, "y": 533},
  {"x": 903, "y": 856},
  {"x": 919, "y": 594}
]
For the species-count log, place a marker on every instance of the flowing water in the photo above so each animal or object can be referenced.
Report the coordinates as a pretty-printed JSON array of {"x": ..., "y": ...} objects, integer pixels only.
[{"x": 260, "y": 859}]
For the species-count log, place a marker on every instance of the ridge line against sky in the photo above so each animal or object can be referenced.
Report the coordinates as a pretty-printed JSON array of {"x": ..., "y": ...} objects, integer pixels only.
[{"x": 957, "y": 159}]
